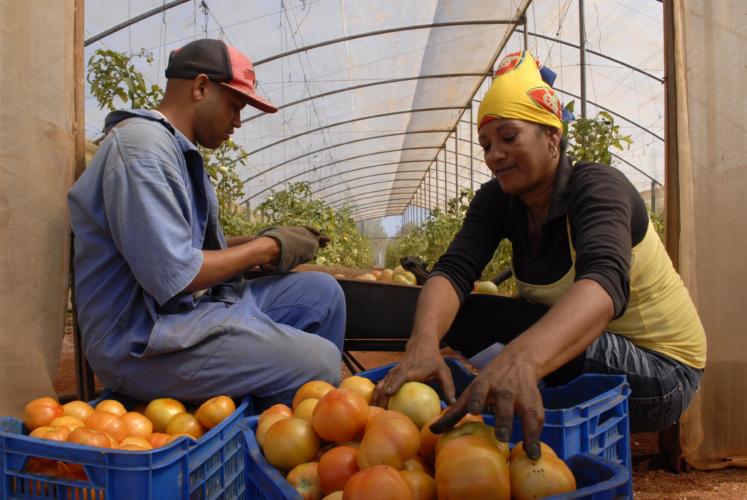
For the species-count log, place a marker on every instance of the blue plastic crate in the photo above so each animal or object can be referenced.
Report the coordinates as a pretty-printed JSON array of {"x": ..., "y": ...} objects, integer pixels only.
[
  {"x": 596, "y": 478},
  {"x": 589, "y": 414},
  {"x": 212, "y": 467}
]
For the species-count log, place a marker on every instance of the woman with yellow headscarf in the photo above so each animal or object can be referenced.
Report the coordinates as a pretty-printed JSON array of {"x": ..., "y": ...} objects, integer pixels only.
[{"x": 597, "y": 291}]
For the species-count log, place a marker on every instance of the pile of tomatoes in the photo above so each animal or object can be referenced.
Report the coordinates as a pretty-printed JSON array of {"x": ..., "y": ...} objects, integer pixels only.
[
  {"x": 333, "y": 444},
  {"x": 110, "y": 425}
]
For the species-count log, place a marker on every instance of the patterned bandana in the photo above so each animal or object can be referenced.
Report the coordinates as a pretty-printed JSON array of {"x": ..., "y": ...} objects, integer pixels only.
[{"x": 518, "y": 92}]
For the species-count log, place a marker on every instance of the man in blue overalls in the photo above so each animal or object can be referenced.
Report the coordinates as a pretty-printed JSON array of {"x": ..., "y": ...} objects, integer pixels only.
[{"x": 162, "y": 307}]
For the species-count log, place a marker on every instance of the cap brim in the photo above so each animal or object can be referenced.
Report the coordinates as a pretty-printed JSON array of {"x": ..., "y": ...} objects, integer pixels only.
[{"x": 253, "y": 99}]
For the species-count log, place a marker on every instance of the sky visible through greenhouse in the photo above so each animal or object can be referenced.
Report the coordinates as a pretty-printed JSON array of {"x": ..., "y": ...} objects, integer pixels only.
[{"x": 381, "y": 122}]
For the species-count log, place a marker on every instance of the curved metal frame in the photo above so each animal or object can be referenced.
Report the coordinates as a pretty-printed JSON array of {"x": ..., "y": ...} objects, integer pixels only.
[
  {"x": 379, "y": 205},
  {"x": 375, "y": 192},
  {"x": 373, "y": 184},
  {"x": 354, "y": 208},
  {"x": 382, "y": 194},
  {"x": 382, "y": 173},
  {"x": 325, "y": 196}
]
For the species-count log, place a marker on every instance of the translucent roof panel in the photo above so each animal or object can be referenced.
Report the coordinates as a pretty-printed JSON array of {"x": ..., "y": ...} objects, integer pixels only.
[{"x": 376, "y": 98}]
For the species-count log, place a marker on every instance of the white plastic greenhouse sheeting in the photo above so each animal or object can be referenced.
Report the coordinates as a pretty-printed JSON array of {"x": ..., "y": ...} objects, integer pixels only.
[{"x": 380, "y": 164}]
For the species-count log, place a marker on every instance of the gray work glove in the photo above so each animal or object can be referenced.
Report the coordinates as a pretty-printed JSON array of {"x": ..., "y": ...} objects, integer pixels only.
[{"x": 297, "y": 245}]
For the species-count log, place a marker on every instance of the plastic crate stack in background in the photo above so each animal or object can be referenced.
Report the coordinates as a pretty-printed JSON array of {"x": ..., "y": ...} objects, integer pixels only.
[
  {"x": 586, "y": 423},
  {"x": 211, "y": 468}
]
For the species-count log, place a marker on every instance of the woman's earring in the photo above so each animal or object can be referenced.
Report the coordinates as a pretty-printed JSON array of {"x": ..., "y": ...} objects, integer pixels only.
[{"x": 553, "y": 151}]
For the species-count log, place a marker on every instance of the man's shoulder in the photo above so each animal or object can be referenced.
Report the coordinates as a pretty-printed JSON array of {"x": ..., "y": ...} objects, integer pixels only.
[{"x": 138, "y": 136}]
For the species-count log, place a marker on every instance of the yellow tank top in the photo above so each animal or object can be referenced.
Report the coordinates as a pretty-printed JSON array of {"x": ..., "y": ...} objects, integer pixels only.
[{"x": 660, "y": 315}]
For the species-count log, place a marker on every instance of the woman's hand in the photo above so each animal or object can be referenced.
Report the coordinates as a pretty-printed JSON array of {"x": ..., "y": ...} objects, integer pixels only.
[
  {"x": 422, "y": 361},
  {"x": 508, "y": 385}
]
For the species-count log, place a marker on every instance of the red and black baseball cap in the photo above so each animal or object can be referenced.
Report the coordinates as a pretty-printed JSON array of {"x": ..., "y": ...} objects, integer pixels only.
[{"x": 222, "y": 64}]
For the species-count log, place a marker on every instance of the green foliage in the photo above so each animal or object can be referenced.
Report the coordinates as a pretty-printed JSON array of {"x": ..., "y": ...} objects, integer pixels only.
[
  {"x": 115, "y": 81},
  {"x": 295, "y": 207},
  {"x": 590, "y": 139},
  {"x": 431, "y": 239}
]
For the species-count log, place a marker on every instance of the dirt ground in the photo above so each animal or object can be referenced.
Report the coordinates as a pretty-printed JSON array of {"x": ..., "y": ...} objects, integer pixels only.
[{"x": 647, "y": 485}]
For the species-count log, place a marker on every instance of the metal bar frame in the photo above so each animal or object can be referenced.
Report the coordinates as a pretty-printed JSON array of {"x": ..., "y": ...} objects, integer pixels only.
[
  {"x": 375, "y": 193},
  {"x": 134, "y": 20},
  {"x": 370, "y": 184}
]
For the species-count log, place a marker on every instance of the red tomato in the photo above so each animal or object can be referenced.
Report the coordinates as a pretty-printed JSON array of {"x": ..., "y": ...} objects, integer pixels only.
[
  {"x": 337, "y": 466},
  {"x": 422, "y": 486},
  {"x": 214, "y": 410},
  {"x": 137, "y": 424},
  {"x": 78, "y": 409},
  {"x": 305, "y": 480},
  {"x": 290, "y": 442},
  {"x": 111, "y": 406},
  {"x": 40, "y": 412},
  {"x": 314, "y": 389},
  {"x": 389, "y": 442},
  {"x": 540, "y": 478},
  {"x": 380, "y": 482},
  {"x": 159, "y": 411},
  {"x": 340, "y": 415},
  {"x": 471, "y": 467},
  {"x": 185, "y": 423},
  {"x": 109, "y": 423}
]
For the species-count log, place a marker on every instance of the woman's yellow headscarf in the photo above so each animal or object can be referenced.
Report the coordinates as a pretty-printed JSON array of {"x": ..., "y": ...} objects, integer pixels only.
[{"x": 518, "y": 92}]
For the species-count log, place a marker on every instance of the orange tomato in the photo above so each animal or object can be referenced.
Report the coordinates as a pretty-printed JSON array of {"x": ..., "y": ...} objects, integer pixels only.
[
  {"x": 290, "y": 442},
  {"x": 428, "y": 439},
  {"x": 471, "y": 467},
  {"x": 264, "y": 425},
  {"x": 40, "y": 412},
  {"x": 422, "y": 486},
  {"x": 158, "y": 439},
  {"x": 335, "y": 467},
  {"x": 71, "y": 423},
  {"x": 109, "y": 423},
  {"x": 337, "y": 495},
  {"x": 519, "y": 450},
  {"x": 340, "y": 415},
  {"x": 383, "y": 416},
  {"x": 390, "y": 442},
  {"x": 373, "y": 412},
  {"x": 51, "y": 433},
  {"x": 78, "y": 409},
  {"x": 111, "y": 406},
  {"x": 137, "y": 424},
  {"x": 138, "y": 442},
  {"x": 305, "y": 409},
  {"x": 473, "y": 428},
  {"x": 380, "y": 482},
  {"x": 174, "y": 437},
  {"x": 416, "y": 462},
  {"x": 185, "y": 423},
  {"x": 276, "y": 408},
  {"x": 305, "y": 480},
  {"x": 314, "y": 389},
  {"x": 90, "y": 437},
  {"x": 214, "y": 410},
  {"x": 159, "y": 411},
  {"x": 540, "y": 478},
  {"x": 361, "y": 385}
]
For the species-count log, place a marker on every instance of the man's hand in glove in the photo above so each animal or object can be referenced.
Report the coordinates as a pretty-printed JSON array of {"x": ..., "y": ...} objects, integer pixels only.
[{"x": 297, "y": 245}]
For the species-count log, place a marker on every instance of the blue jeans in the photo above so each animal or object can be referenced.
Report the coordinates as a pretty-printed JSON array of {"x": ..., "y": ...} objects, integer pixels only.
[
  {"x": 661, "y": 387},
  {"x": 280, "y": 332}
]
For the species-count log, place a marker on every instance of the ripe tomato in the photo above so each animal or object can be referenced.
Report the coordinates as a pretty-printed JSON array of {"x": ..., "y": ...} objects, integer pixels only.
[
  {"x": 361, "y": 385},
  {"x": 90, "y": 437},
  {"x": 416, "y": 400},
  {"x": 137, "y": 424},
  {"x": 214, "y": 410},
  {"x": 111, "y": 406},
  {"x": 380, "y": 482},
  {"x": 314, "y": 389},
  {"x": 52, "y": 433},
  {"x": 40, "y": 412},
  {"x": 290, "y": 442},
  {"x": 337, "y": 466},
  {"x": 389, "y": 442},
  {"x": 422, "y": 486},
  {"x": 264, "y": 425},
  {"x": 340, "y": 415},
  {"x": 159, "y": 411},
  {"x": 383, "y": 416},
  {"x": 519, "y": 450},
  {"x": 305, "y": 409},
  {"x": 108, "y": 423},
  {"x": 473, "y": 428},
  {"x": 416, "y": 462},
  {"x": 337, "y": 495},
  {"x": 471, "y": 467},
  {"x": 276, "y": 408},
  {"x": 174, "y": 437},
  {"x": 540, "y": 478},
  {"x": 158, "y": 439},
  {"x": 78, "y": 409},
  {"x": 373, "y": 412},
  {"x": 71, "y": 423},
  {"x": 185, "y": 423},
  {"x": 137, "y": 442},
  {"x": 305, "y": 480}
]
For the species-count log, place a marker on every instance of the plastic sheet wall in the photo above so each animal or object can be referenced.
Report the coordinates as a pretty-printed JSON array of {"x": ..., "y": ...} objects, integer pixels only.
[
  {"x": 710, "y": 41},
  {"x": 37, "y": 152}
]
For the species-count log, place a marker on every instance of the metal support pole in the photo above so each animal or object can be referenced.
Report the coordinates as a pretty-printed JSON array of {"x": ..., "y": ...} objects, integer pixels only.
[
  {"x": 526, "y": 33},
  {"x": 437, "y": 183},
  {"x": 471, "y": 152},
  {"x": 456, "y": 157},
  {"x": 446, "y": 183},
  {"x": 653, "y": 197},
  {"x": 582, "y": 47}
]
